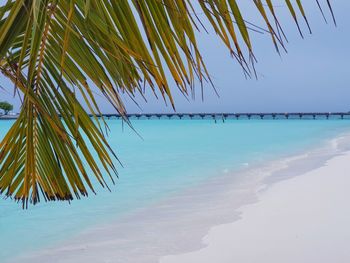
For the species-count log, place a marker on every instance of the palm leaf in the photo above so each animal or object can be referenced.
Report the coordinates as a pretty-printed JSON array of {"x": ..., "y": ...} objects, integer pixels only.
[{"x": 54, "y": 50}]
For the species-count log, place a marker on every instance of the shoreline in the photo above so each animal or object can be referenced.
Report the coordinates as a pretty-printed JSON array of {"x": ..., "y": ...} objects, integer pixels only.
[
  {"x": 177, "y": 225},
  {"x": 311, "y": 226}
]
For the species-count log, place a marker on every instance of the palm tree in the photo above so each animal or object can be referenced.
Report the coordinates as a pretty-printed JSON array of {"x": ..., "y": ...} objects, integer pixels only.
[{"x": 54, "y": 51}]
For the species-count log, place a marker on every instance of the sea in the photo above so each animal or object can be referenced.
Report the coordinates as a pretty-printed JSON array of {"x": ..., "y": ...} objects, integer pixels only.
[{"x": 163, "y": 158}]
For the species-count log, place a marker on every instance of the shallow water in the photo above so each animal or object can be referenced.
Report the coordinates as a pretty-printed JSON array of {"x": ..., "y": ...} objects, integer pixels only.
[{"x": 173, "y": 156}]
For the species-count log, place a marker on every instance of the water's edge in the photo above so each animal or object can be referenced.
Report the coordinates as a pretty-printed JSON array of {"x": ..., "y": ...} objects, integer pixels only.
[{"x": 178, "y": 224}]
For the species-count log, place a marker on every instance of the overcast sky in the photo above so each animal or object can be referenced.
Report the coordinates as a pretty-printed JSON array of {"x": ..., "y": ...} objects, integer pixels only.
[{"x": 313, "y": 76}]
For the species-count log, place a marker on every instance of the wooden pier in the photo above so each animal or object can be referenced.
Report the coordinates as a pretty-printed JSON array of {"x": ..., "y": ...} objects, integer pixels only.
[{"x": 224, "y": 116}]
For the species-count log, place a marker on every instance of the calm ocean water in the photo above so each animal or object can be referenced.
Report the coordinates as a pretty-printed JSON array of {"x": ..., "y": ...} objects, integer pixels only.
[{"x": 172, "y": 156}]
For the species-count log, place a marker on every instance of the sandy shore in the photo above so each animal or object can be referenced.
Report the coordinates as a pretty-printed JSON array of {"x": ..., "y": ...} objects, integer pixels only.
[
  {"x": 304, "y": 219},
  {"x": 294, "y": 209}
]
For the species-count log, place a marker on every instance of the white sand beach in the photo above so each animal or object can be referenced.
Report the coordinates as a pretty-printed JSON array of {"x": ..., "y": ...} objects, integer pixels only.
[
  {"x": 304, "y": 219},
  {"x": 295, "y": 209}
]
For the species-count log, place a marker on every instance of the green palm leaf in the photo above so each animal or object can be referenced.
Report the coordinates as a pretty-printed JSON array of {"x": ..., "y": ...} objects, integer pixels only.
[{"x": 54, "y": 50}]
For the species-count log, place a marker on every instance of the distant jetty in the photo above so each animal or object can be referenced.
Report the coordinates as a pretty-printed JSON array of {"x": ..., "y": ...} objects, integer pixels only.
[
  {"x": 221, "y": 116},
  {"x": 8, "y": 117},
  {"x": 251, "y": 115}
]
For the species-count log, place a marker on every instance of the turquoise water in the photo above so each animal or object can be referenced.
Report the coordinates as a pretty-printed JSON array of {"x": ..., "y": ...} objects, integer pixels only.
[{"x": 173, "y": 155}]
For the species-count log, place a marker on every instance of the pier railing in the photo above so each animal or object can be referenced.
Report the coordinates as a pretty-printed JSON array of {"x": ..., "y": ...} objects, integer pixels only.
[
  {"x": 250, "y": 115},
  {"x": 224, "y": 116}
]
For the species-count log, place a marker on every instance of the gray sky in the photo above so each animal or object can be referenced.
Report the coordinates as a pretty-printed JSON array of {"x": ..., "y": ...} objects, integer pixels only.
[{"x": 313, "y": 76}]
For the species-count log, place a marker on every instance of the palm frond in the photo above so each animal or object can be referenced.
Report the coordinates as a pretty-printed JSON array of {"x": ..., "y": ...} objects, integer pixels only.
[{"x": 54, "y": 50}]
